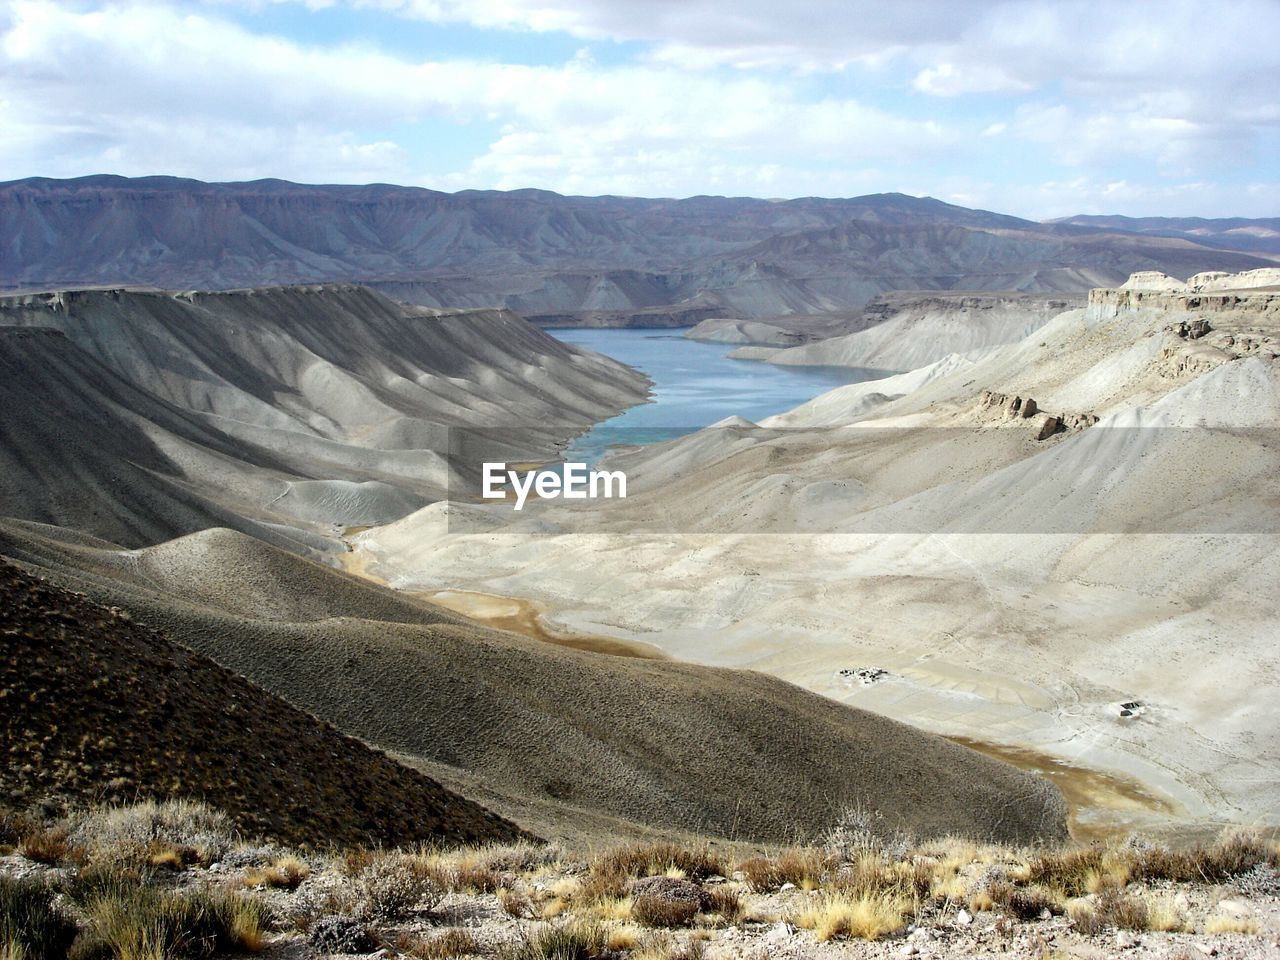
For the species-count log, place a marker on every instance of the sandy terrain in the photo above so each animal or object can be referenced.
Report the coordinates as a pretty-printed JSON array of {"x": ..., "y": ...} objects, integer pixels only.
[
  {"x": 564, "y": 742},
  {"x": 998, "y": 578}
]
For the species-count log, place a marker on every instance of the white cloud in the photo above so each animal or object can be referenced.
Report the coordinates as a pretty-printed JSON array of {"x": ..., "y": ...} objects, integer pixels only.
[
  {"x": 947, "y": 80},
  {"x": 135, "y": 85},
  {"x": 1052, "y": 198},
  {"x": 716, "y": 97},
  {"x": 1190, "y": 66}
]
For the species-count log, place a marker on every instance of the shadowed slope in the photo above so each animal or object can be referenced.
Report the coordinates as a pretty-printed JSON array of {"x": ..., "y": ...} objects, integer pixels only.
[
  {"x": 103, "y": 708},
  {"x": 288, "y": 413}
]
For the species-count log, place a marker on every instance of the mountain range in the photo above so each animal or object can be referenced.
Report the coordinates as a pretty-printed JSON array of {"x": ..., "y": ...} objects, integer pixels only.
[{"x": 566, "y": 260}]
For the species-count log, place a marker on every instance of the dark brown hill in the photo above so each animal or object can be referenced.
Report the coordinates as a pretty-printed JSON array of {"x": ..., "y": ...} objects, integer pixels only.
[{"x": 94, "y": 706}]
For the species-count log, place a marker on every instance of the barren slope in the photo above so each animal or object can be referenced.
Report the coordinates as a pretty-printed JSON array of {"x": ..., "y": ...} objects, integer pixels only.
[
  {"x": 557, "y": 738},
  {"x": 905, "y": 331},
  {"x": 1016, "y": 589},
  {"x": 287, "y": 412}
]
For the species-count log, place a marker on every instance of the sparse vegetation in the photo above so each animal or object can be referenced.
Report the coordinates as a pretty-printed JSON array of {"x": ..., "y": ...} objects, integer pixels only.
[
  {"x": 1113, "y": 909},
  {"x": 163, "y": 833},
  {"x": 1222, "y": 923},
  {"x": 145, "y": 923},
  {"x": 867, "y": 915},
  {"x": 287, "y": 873},
  {"x": 1235, "y": 853},
  {"x": 49, "y": 845},
  {"x": 803, "y": 868},
  {"x": 655, "y": 910},
  {"x": 475, "y": 878},
  {"x": 145, "y": 893},
  {"x": 515, "y": 904},
  {"x": 1023, "y": 903},
  {"x": 31, "y": 926},
  {"x": 340, "y": 934},
  {"x": 390, "y": 888},
  {"x": 1165, "y": 916},
  {"x": 654, "y": 859},
  {"x": 572, "y": 940},
  {"x": 446, "y": 945},
  {"x": 725, "y": 902}
]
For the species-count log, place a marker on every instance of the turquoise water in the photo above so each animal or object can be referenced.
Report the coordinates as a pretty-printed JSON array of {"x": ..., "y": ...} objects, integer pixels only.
[{"x": 694, "y": 384}]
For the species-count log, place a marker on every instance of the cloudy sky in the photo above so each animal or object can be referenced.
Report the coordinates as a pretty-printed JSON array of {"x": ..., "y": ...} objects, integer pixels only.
[{"x": 1035, "y": 107}]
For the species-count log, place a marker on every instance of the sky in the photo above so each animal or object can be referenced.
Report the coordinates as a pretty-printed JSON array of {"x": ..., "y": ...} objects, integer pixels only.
[{"x": 1040, "y": 108}]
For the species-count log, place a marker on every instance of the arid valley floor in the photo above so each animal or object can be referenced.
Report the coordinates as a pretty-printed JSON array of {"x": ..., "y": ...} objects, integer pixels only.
[{"x": 975, "y": 657}]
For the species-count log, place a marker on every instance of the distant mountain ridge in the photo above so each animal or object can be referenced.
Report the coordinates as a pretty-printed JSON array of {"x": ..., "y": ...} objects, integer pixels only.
[
  {"x": 600, "y": 260},
  {"x": 1237, "y": 233}
]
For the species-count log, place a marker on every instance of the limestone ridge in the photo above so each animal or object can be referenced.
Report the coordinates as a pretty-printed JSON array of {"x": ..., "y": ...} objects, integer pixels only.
[{"x": 286, "y": 412}]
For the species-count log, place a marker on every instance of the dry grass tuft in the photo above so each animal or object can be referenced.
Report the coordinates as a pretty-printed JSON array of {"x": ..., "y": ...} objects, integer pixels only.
[
  {"x": 1068, "y": 871},
  {"x": 1022, "y": 903},
  {"x": 475, "y": 878},
  {"x": 623, "y": 938},
  {"x": 287, "y": 873},
  {"x": 609, "y": 909},
  {"x": 725, "y": 902},
  {"x": 31, "y": 925},
  {"x": 602, "y": 884},
  {"x": 865, "y": 916},
  {"x": 1222, "y": 923},
  {"x": 574, "y": 940},
  {"x": 870, "y": 876},
  {"x": 1165, "y": 916},
  {"x": 1113, "y": 908},
  {"x": 804, "y": 868},
  {"x": 655, "y": 859},
  {"x": 656, "y": 910},
  {"x": 446, "y": 945},
  {"x": 659, "y": 945},
  {"x": 47, "y": 845},
  {"x": 171, "y": 857},
  {"x": 144, "y": 923},
  {"x": 516, "y": 904},
  {"x": 515, "y": 858},
  {"x": 355, "y": 860}
]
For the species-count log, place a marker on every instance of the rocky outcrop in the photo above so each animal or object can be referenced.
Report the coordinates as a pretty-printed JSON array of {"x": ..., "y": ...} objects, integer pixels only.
[
  {"x": 1206, "y": 281},
  {"x": 1007, "y": 406},
  {"x": 1220, "y": 308},
  {"x": 1249, "y": 280},
  {"x": 1152, "y": 280}
]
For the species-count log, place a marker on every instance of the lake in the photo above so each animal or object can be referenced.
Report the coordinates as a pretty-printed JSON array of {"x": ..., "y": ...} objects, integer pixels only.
[{"x": 695, "y": 384}]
